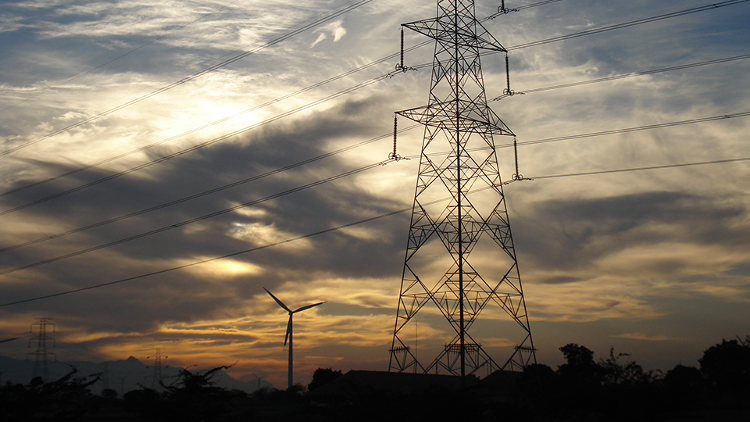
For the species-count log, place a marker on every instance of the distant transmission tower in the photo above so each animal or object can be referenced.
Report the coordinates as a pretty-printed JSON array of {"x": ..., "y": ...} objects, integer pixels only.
[
  {"x": 105, "y": 377},
  {"x": 41, "y": 367},
  {"x": 449, "y": 245},
  {"x": 155, "y": 382}
]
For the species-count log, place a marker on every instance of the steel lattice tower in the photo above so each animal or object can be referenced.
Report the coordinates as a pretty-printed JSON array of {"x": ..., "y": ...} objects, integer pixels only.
[
  {"x": 156, "y": 380},
  {"x": 449, "y": 244},
  {"x": 41, "y": 367}
]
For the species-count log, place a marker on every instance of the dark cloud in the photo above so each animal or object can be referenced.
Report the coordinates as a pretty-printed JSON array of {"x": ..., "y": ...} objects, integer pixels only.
[
  {"x": 740, "y": 270},
  {"x": 575, "y": 232},
  {"x": 560, "y": 280},
  {"x": 182, "y": 295}
]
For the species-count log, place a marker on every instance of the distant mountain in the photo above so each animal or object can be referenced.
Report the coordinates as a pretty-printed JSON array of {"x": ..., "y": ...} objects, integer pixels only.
[{"x": 120, "y": 375}]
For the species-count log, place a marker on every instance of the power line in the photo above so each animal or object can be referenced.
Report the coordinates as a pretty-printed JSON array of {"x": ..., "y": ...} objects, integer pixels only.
[
  {"x": 596, "y": 30},
  {"x": 286, "y": 96},
  {"x": 270, "y": 245},
  {"x": 627, "y": 24},
  {"x": 346, "y": 174},
  {"x": 631, "y": 169},
  {"x": 367, "y": 220},
  {"x": 693, "y": 10},
  {"x": 358, "y": 69},
  {"x": 321, "y": 83},
  {"x": 541, "y": 3},
  {"x": 123, "y": 55},
  {"x": 222, "y": 120},
  {"x": 356, "y": 5},
  {"x": 632, "y": 129},
  {"x": 192, "y": 220},
  {"x": 605, "y": 132},
  {"x": 193, "y": 76},
  {"x": 316, "y": 85},
  {"x": 191, "y": 131},
  {"x": 353, "y": 146},
  {"x": 600, "y": 29},
  {"x": 632, "y": 74},
  {"x": 197, "y": 146},
  {"x": 204, "y": 193}
]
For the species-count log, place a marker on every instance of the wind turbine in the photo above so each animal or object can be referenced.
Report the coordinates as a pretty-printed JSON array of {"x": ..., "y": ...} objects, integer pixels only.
[
  {"x": 259, "y": 378},
  {"x": 290, "y": 331}
]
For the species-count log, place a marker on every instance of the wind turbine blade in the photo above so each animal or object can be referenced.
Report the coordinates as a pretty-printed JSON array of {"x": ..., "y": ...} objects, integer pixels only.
[
  {"x": 7, "y": 340},
  {"x": 277, "y": 300},
  {"x": 288, "y": 329},
  {"x": 307, "y": 307}
]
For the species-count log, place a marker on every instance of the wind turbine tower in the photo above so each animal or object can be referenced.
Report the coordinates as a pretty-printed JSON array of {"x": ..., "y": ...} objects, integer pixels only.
[
  {"x": 290, "y": 333},
  {"x": 259, "y": 378}
]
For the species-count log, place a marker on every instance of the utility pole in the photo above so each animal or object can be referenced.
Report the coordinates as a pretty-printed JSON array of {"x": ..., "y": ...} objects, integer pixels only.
[
  {"x": 460, "y": 256},
  {"x": 41, "y": 367}
]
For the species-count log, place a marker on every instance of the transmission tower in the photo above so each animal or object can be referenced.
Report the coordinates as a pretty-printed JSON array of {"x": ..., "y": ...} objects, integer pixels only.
[
  {"x": 449, "y": 245},
  {"x": 41, "y": 367},
  {"x": 156, "y": 381},
  {"x": 105, "y": 377}
]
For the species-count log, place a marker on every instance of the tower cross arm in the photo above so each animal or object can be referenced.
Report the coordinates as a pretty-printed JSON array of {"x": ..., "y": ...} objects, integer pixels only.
[
  {"x": 473, "y": 119},
  {"x": 444, "y": 29}
]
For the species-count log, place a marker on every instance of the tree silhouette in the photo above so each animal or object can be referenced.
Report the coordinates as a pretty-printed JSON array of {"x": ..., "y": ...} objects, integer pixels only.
[
  {"x": 580, "y": 370},
  {"x": 193, "y": 397},
  {"x": 684, "y": 386},
  {"x": 615, "y": 373},
  {"x": 726, "y": 367},
  {"x": 109, "y": 393},
  {"x": 322, "y": 376},
  {"x": 67, "y": 398}
]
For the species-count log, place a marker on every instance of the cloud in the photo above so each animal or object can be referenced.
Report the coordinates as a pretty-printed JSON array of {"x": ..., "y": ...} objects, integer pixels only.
[
  {"x": 647, "y": 337},
  {"x": 336, "y": 30},
  {"x": 320, "y": 38}
]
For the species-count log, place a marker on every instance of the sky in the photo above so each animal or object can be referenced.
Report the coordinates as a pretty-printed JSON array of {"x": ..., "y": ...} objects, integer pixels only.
[{"x": 655, "y": 263}]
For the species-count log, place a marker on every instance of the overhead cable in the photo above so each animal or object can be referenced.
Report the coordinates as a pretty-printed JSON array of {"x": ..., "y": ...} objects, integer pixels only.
[
  {"x": 190, "y": 221},
  {"x": 205, "y": 15},
  {"x": 197, "y": 146},
  {"x": 193, "y": 76},
  {"x": 588, "y": 32},
  {"x": 204, "y": 193},
  {"x": 203, "y": 261},
  {"x": 316, "y": 85},
  {"x": 352, "y": 172},
  {"x": 421, "y": 66},
  {"x": 350, "y": 147},
  {"x": 207, "y": 125},
  {"x": 632, "y": 74},
  {"x": 627, "y": 24},
  {"x": 631, "y": 169},
  {"x": 345, "y": 10},
  {"x": 353, "y": 146},
  {"x": 6, "y": 152},
  {"x": 632, "y": 129},
  {"x": 367, "y": 220}
]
